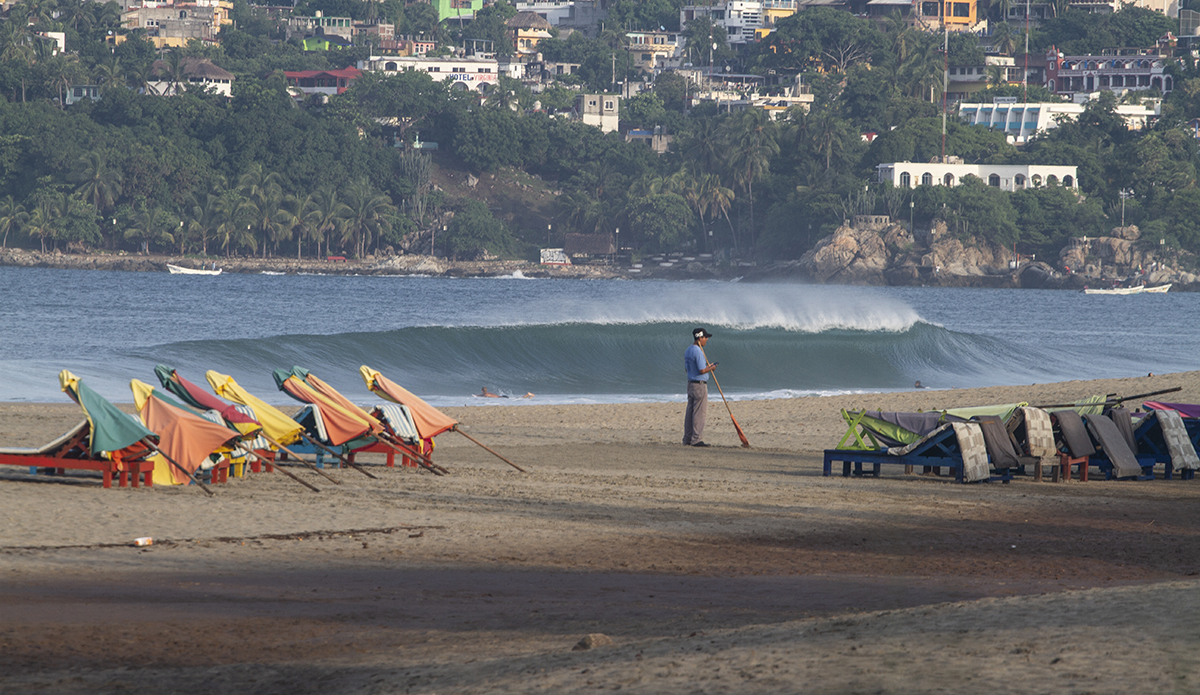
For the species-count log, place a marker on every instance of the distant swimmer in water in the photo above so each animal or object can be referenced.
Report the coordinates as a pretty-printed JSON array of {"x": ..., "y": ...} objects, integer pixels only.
[{"x": 918, "y": 385}]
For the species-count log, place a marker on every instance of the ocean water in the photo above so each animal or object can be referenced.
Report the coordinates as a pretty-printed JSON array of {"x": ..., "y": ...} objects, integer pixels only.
[{"x": 568, "y": 341}]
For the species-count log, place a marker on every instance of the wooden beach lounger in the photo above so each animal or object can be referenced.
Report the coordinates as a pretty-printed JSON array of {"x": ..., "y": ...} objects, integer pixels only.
[
  {"x": 959, "y": 446},
  {"x": 71, "y": 451}
]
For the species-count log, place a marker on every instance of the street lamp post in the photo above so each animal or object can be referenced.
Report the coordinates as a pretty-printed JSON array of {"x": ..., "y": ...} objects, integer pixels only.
[
  {"x": 912, "y": 205},
  {"x": 548, "y": 226},
  {"x": 618, "y": 245},
  {"x": 1125, "y": 193}
]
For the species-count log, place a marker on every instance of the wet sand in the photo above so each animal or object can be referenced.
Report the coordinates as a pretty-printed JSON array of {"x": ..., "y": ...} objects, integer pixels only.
[{"x": 712, "y": 570}]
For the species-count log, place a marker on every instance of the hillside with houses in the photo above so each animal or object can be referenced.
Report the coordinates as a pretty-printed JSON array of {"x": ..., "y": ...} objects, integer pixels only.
[{"x": 982, "y": 139}]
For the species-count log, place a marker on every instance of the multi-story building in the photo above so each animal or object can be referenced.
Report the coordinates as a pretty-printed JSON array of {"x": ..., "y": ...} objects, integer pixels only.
[
  {"x": 474, "y": 73},
  {"x": 1008, "y": 177},
  {"x": 952, "y": 15},
  {"x": 456, "y": 8},
  {"x": 1121, "y": 69},
  {"x": 321, "y": 25},
  {"x": 172, "y": 25},
  {"x": 1021, "y": 121},
  {"x": 580, "y": 15},
  {"x": 741, "y": 19},
  {"x": 195, "y": 72},
  {"x": 553, "y": 11},
  {"x": 600, "y": 110},
  {"x": 529, "y": 29},
  {"x": 654, "y": 51},
  {"x": 327, "y": 82}
]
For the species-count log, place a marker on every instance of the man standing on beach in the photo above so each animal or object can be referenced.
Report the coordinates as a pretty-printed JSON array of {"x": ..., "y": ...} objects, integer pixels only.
[{"x": 697, "y": 367}]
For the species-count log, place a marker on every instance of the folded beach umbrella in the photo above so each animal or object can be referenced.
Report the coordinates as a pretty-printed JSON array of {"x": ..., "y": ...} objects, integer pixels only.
[
  {"x": 341, "y": 424},
  {"x": 430, "y": 421},
  {"x": 197, "y": 397},
  {"x": 112, "y": 429},
  {"x": 338, "y": 412},
  {"x": 275, "y": 423},
  {"x": 184, "y": 435}
]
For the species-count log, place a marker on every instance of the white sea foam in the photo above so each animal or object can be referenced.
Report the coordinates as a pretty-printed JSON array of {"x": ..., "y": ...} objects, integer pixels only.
[{"x": 804, "y": 308}]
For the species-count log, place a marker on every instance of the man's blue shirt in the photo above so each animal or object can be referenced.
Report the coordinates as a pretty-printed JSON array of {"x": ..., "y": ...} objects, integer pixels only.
[{"x": 693, "y": 361}]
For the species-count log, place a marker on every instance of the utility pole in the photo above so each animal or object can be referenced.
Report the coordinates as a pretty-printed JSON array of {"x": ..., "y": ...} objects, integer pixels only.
[
  {"x": 1025, "y": 77},
  {"x": 945, "y": 74}
]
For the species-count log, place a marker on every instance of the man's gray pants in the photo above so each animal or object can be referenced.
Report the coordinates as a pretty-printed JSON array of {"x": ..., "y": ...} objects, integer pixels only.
[{"x": 697, "y": 409}]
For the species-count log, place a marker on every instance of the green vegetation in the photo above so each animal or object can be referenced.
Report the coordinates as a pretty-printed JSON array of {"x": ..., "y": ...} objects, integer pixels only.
[{"x": 259, "y": 174}]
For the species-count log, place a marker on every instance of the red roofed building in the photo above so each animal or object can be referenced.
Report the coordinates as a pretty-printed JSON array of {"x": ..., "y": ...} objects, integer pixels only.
[{"x": 325, "y": 82}]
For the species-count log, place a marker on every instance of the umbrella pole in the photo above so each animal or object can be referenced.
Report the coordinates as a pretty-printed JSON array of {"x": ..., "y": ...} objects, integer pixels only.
[
  {"x": 286, "y": 472},
  {"x": 301, "y": 459},
  {"x": 345, "y": 461},
  {"x": 173, "y": 462},
  {"x": 489, "y": 450}
]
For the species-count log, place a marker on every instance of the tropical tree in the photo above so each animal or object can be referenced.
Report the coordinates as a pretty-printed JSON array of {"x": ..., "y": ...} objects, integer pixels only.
[
  {"x": 12, "y": 216},
  {"x": 327, "y": 216},
  {"x": 752, "y": 144},
  {"x": 151, "y": 224},
  {"x": 367, "y": 216},
  {"x": 98, "y": 184}
]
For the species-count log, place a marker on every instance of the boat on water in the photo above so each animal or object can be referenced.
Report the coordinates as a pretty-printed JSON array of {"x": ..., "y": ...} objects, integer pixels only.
[
  {"x": 1140, "y": 289},
  {"x": 180, "y": 270}
]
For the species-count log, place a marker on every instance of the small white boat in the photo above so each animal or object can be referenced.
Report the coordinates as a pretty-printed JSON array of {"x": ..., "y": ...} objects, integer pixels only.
[
  {"x": 1118, "y": 290},
  {"x": 180, "y": 270},
  {"x": 1161, "y": 289}
]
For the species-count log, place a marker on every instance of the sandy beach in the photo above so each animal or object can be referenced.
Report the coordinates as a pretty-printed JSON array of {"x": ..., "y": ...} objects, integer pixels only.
[{"x": 720, "y": 570}]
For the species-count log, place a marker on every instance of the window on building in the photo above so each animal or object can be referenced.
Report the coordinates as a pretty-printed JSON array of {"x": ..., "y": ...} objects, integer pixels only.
[
  {"x": 994, "y": 180},
  {"x": 905, "y": 180},
  {"x": 948, "y": 179},
  {"x": 926, "y": 179},
  {"x": 1037, "y": 180},
  {"x": 1019, "y": 180},
  {"x": 608, "y": 105},
  {"x": 1069, "y": 181},
  {"x": 435, "y": 69},
  {"x": 929, "y": 9}
]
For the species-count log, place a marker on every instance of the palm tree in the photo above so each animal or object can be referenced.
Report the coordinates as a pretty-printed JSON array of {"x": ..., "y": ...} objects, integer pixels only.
[
  {"x": 110, "y": 73},
  {"x": 297, "y": 217},
  {"x": 753, "y": 143},
  {"x": 40, "y": 222},
  {"x": 98, "y": 184},
  {"x": 149, "y": 224},
  {"x": 327, "y": 216},
  {"x": 262, "y": 205},
  {"x": 368, "y": 214},
  {"x": 703, "y": 148},
  {"x": 1004, "y": 39},
  {"x": 12, "y": 216}
]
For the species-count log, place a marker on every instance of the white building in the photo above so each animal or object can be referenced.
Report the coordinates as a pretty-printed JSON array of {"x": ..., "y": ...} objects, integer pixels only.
[
  {"x": 739, "y": 18},
  {"x": 600, "y": 110},
  {"x": 1008, "y": 177},
  {"x": 553, "y": 11},
  {"x": 1021, "y": 121},
  {"x": 479, "y": 74}
]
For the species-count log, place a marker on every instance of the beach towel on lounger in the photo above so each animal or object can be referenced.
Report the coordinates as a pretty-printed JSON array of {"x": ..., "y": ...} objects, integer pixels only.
[
  {"x": 1124, "y": 463},
  {"x": 1039, "y": 434},
  {"x": 970, "y": 443},
  {"x": 1078, "y": 442},
  {"x": 1124, "y": 422},
  {"x": 1179, "y": 445},
  {"x": 974, "y": 451},
  {"x": 995, "y": 438}
]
